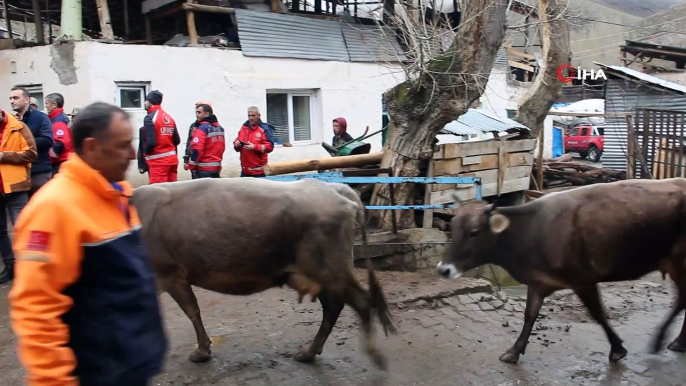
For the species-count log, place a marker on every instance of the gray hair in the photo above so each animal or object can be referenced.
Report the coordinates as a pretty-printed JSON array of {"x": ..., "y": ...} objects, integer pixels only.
[{"x": 254, "y": 109}]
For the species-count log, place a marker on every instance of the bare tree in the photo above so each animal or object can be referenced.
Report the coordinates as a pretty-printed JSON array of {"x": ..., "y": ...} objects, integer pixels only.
[
  {"x": 443, "y": 81},
  {"x": 554, "y": 31}
]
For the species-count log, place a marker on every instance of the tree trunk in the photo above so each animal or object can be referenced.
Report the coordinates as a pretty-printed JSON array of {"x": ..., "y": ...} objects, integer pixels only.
[
  {"x": 446, "y": 87},
  {"x": 546, "y": 87}
]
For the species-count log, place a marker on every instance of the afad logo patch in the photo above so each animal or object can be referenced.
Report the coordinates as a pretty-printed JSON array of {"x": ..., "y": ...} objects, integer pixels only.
[{"x": 39, "y": 241}]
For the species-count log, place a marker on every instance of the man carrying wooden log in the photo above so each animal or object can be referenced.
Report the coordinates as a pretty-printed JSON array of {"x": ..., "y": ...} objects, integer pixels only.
[{"x": 255, "y": 140}]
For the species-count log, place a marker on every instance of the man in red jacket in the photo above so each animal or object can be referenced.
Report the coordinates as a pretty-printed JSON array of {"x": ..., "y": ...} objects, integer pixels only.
[
  {"x": 207, "y": 145},
  {"x": 161, "y": 139},
  {"x": 62, "y": 145},
  {"x": 255, "y": 140}
]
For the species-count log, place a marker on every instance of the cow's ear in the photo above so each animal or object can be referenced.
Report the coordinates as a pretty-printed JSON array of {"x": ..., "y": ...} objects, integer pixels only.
[{"x": 498, "y": 223}]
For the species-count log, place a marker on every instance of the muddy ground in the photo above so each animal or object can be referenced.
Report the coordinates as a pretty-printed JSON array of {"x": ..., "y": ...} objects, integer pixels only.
[{"x": 454, "y": 340}]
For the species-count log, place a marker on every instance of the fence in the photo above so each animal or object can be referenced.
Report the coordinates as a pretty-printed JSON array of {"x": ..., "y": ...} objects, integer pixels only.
[{"x": 656, "y": 144}]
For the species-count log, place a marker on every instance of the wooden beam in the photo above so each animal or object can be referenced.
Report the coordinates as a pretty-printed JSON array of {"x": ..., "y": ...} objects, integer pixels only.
[
  {"x": 276, "y": 6},
  {"x": 7, "y": 19},
  {"x": 166, "y": 13},
  {"x": 190, "y": 21},
  {"x": 523, "y": 66},
  {"x": 105, "y": 21},
  {"x": 38, "y": 22},
  {"x": 190, "y": 7},
  {"x": 148, "y": 29},
  {"x": 586, "y": 115},
  {"x": 521, "y": 54}
]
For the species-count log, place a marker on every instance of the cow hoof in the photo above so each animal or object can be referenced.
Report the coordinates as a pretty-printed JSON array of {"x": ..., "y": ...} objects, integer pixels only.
[
  {"x": 618, "y": 355},
  {"x": 199, "y": 357},
  {"x": 509, "y": 357},
  {"x": 304, "y": 357},
  {"x": 677, "y": 346}
]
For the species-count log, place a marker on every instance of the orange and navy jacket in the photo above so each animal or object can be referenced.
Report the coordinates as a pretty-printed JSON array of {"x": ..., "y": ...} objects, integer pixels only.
[
  {"x": 161, "y": 138},
  {"x": 18, "y": 148},
  {"x": 207, "y": 146},
  {"x": 262, "y": 136},
  {"x": 62, "y": 145},
  {"x": 83, "y": 303}
]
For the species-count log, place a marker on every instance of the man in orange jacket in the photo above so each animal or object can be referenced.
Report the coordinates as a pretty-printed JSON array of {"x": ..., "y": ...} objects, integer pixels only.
[
  {"x": 17, "y": 151},
  {"x": 84, "y": 302}
]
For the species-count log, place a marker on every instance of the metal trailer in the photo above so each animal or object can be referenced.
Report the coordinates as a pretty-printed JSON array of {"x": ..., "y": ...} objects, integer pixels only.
[{"x": 370, "y": 176}]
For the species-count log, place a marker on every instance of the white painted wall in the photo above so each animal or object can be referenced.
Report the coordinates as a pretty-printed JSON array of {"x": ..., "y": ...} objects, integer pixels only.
[
  {"x": 231, "y": 81},
  {"x": 501, "y": 95}
]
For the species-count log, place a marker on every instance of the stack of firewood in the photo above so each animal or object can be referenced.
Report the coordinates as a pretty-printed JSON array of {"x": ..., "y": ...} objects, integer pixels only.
[{"x": 562, "y": 171}]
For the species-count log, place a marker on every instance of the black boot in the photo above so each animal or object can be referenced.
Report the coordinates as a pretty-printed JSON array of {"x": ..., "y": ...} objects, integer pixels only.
[{"x": 7, "y": 274}]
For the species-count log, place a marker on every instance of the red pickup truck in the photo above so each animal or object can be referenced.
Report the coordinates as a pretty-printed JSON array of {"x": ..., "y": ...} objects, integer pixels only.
[{"x": 586, "y": 140}]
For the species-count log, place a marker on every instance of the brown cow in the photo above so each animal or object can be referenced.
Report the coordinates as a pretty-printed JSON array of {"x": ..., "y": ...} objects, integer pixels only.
[
  {"x": 576, "y": 239},
  {"x": 244, "y": 236}
]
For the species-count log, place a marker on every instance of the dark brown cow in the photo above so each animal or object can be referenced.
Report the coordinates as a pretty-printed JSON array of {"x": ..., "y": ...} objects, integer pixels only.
[
  {"x": 244, "y": 236},
  {"x": 576, "y": 239}
]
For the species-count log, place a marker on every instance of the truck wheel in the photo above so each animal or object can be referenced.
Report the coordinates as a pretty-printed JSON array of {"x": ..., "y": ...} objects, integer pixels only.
[{"x": 594, "y": 154}]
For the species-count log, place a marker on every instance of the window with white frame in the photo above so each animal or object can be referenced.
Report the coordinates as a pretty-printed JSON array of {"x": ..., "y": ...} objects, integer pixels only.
[
  {"x": 131, "y": 95},
  {"x": 291, "y": 115}
]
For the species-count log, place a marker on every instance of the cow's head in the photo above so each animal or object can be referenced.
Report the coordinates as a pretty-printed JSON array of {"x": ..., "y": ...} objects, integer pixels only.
[{"x": 474, "y": 228}]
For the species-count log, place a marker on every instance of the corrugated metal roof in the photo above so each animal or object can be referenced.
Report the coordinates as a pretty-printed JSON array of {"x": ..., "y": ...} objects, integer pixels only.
[
  {"x": 371, "y": 44},
  {"x": 275, "y": 35},
  {"x": 478, "y": 121},
  {"x": 646, "y": 78},
  {"x": 622, "y": 96},
  {"x": 501, "y": 58},
  {"x": 267, "y": 34}
]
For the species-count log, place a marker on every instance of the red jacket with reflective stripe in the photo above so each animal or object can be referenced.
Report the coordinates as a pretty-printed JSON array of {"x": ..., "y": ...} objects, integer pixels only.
[
  {"x": 260, "y": 135},
  {"x": 62, "y": 145},
  {"x": 207, "y": 146},
  {"x": 161, "y": 138}
]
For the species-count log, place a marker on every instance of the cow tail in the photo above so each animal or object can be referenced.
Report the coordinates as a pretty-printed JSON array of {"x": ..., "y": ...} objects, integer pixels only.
[{"x": 377, "y": 298}]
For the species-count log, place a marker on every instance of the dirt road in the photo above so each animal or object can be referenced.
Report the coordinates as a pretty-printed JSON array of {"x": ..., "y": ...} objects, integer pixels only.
[{"x": 451, "y": 341}]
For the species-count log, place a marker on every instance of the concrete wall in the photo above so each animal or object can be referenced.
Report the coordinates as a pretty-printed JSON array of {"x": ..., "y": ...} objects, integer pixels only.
[{"x": 229, "y": 80}]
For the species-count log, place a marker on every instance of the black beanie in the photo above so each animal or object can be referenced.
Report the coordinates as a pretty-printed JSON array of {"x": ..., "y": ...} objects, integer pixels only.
[{"x": 154, "y": 97}]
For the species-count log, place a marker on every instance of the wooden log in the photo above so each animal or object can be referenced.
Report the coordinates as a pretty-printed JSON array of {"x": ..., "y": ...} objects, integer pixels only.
[
  {"x": 105, "y": 21},
  {"x": 207, "y": 8},
  {"x": 296, "y": 166},
  {"x": 190, "y": 21}
]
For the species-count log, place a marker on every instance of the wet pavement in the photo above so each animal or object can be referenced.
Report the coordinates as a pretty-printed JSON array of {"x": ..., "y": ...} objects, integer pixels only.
[{"x": 447, "y": 336}]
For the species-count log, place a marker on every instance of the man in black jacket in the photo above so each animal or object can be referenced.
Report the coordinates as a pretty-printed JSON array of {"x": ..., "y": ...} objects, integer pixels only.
[{"x": 41, "y": 128}]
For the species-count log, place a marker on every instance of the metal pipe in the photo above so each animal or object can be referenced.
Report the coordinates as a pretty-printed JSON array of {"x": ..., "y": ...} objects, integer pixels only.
[{"x": 71, "y": 20}]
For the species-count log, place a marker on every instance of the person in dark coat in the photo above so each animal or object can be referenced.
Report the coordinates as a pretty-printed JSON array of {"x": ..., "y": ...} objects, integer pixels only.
[
  {"x": 41, "y": 128},
  {"x": 340, "y": 133}
]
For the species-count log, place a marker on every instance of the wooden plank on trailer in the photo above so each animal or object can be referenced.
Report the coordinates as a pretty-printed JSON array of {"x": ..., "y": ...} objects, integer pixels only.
[
  {"x": 487, "y": 177},
  {"x": 502, "y": 167},
  {"x": 428, "y": 220},
  {"x": 509, "y": 186},
  {"x": 458, "y": 165},
  {"x": 466, "y": 149}
]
